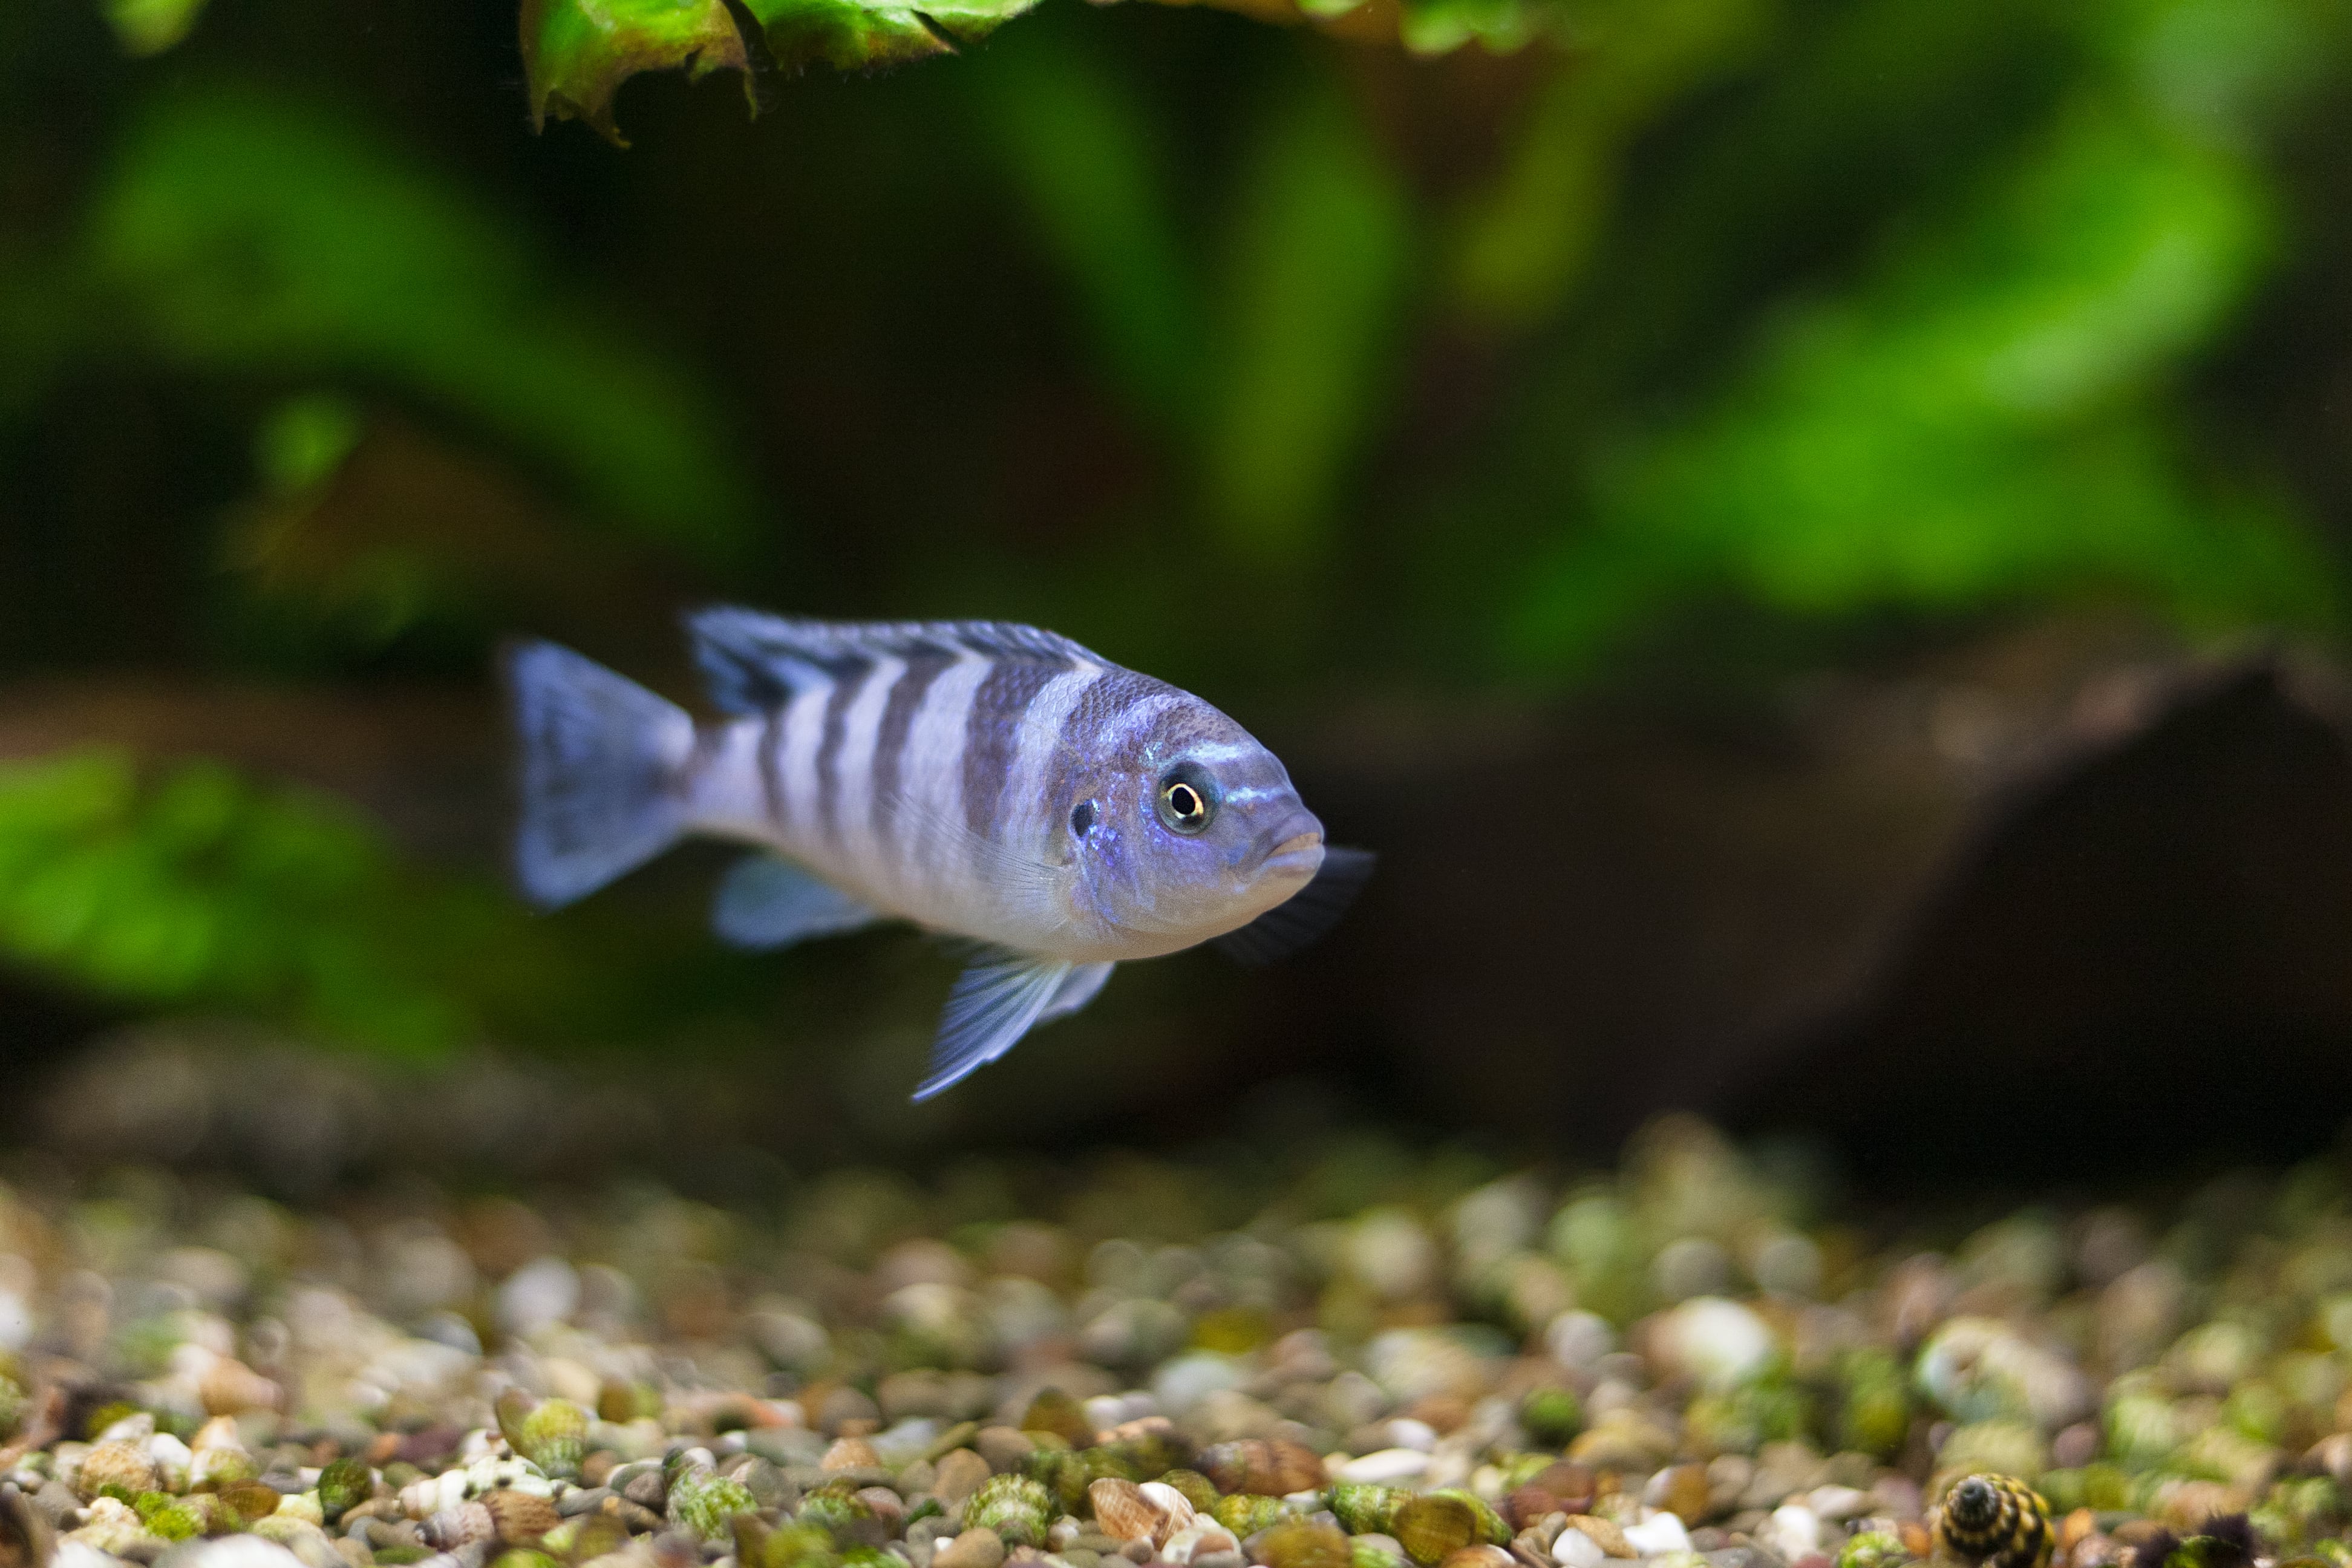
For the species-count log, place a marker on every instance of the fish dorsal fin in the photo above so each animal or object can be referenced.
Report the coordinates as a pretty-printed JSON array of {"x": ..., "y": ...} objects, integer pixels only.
[
  {"x": 1304, "y": 916},
  {"x": 752, "y": 661},
  {"x": 764, "y": 901},
  {"x": 994, "y": 1004}
]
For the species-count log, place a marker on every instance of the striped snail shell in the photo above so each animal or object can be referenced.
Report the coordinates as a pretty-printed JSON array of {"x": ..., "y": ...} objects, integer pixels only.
[{"x": 1995, "y": 1521}]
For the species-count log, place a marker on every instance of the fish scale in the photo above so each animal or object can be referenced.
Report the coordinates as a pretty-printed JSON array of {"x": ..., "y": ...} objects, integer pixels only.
[{"x": 980, "y": 779}]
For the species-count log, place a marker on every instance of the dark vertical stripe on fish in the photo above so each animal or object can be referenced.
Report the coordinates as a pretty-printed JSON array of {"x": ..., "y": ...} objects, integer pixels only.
[
  {"x": 898, "y": 713},
  {"x": 1081, "y": 742},
  {"x": 709, "y": 742},
  {"x": 771, "y": 761},
  {"x": 828, "y": 748},
  {"x": 991, "y": 735}
]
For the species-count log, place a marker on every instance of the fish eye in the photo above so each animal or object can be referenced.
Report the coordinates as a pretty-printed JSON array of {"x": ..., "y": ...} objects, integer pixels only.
[
  {"x": 1184, "y": 803},
  {"x": 1082, "y": 817}
]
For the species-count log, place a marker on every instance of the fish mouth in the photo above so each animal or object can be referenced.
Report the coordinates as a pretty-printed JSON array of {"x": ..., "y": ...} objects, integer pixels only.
[{"x": 1301, "y": 853}]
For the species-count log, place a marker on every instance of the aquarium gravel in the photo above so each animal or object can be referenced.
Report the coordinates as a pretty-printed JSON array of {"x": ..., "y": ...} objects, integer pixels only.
[{"x": 1697, "y": 1361}]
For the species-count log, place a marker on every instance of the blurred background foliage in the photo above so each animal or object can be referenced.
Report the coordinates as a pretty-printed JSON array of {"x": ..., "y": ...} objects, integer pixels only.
[{"x": 1705, "y": 336}]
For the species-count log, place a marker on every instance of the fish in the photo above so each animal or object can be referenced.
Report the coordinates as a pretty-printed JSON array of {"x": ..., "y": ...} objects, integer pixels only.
[{"x": 981, "y": 780}]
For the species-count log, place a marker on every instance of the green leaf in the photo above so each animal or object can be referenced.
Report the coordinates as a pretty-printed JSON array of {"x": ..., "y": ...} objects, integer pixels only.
[
  {"x": 1320, "y": 256},
  {"x": 1974, "y": 424},
  {"x": 1524, "y": 239},
  {"x": 240, "y": 233},
  {"x": 1081, "y": 145},
  {"x": 854, "y": 35},
  {"x": 577, "y": 53},
  {"x": 150, "y": 27}
]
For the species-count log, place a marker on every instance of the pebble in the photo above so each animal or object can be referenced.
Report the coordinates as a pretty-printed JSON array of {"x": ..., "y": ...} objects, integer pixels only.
[
  {"x": 1572, "y": 1548},
  {"x": 1004, "y": 1448},
  {"x": 1692, "y": 1426},
  {"x": 1658, "y": 1535},
  {"x": 958, "y": 1475},
  {"x": 973, "y": 1549},
  {"x": 1388, "y": 1466},
  {"x": 1793, "y": 1531}
]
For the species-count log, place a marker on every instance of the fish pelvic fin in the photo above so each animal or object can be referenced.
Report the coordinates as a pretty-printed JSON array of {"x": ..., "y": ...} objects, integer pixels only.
[
  {"x": 1078, "y": 988},
  {"x": 1302, "y": 918},
  {"x": 602, "y": 773},
  {"x": 766, "y": 901},
  {"x": 995, "y": 1002}
]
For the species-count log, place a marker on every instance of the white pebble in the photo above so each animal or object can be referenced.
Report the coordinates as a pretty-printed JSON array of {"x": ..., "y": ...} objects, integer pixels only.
[
  {"x": 1387, "y": 1466},
  {"x": 1388, "y": 1251},
  {"x": 232, "y": 1551},
  {"x": 1188, "y": 1380},
  {"x": 171, "y": 1460},
  {"x": 1574, "y": 1549},
  {"x": 1793, "y": 1531},
  {"x": 1579, "y": 1339},
  {"x": 1838, "y": 1504},
  {"x": 1404, "y": 1432},
  {"x": 1718, "y": 1342},
  {"x": 1660, "y": 1533},
  {"x": 540, "y": 1294}
]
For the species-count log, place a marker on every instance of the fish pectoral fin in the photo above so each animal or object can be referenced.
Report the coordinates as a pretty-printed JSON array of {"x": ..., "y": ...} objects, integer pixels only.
[
  {"x": 766, "y": 901},
  {"x": 1304, "y": 916},
  {"x": 992, "y": 1005},
  {"x": 1077, "y": 988}
]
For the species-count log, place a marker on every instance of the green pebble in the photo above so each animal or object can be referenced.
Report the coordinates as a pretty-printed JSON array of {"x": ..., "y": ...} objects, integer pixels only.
[
  {"x": 1016, "y": 1507},
  {"x": 554, "y": 1436},
  {"x": 1873, "y": 1549},
  {"x": 704, "y": 1503},
  {"x": 788, "y": 1546},
  {"x": 1490, "y": 1524},
  {"x": 178, "y": 1522},
  {"x": 344, "y": 1485},
  {"x": 1197, "y": 1489},
  {"x": 1875, "y": 1416},
  {"x": 1246, "y": 1513},
  {"x": 1551, "y": 1416},
  {"x": 1366, "y": 1508}
]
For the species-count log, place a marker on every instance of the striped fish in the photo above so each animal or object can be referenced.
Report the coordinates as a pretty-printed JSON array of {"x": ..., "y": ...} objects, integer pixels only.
[{"x": 978, "y": 779}]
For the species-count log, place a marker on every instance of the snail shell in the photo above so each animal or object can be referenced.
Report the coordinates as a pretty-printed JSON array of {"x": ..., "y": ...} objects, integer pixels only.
[{"x": 1997, "y": 1521}]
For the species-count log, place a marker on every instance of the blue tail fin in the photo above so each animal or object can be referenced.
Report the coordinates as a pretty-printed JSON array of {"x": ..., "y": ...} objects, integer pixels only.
[{"x": 603, "y": 771}]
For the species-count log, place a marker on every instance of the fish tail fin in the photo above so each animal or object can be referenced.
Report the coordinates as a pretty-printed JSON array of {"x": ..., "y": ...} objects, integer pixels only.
[{"x": 602, "y": 765}]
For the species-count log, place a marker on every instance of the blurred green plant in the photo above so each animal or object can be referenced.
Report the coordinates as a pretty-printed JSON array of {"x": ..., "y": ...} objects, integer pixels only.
[
  {"x": 241, "y": 233},
  {"x": 1319, "y": 252},
  {"x": 150, "y": 27},
  {"x": 1986, "y": 416},
  {"x": 189, "y": 886},
  {"x": 193, "y": 888}
]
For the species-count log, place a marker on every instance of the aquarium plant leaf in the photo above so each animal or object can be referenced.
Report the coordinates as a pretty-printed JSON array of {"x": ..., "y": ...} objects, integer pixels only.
[
  {"x": 853, "y": 35},
  {"x": 150, "y": 27},
  {"x": 577, "y": 53},
  {"x": 243, "y": 234},
  {"x": 1974, "y": 424},
  {"x": 1320, "y": 261}
]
